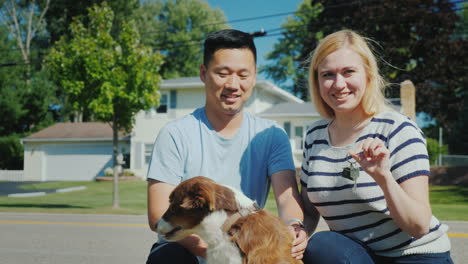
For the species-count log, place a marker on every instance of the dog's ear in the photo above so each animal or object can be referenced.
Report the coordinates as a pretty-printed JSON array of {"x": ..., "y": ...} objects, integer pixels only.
[
  {"x": 199, "y": 195},
  {"x": 226, "y": 199},
  {"x": 194, "y": 202}
]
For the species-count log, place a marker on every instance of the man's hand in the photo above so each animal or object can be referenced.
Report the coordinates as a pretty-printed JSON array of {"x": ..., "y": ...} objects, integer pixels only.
[{"x": 195, "y": 245}]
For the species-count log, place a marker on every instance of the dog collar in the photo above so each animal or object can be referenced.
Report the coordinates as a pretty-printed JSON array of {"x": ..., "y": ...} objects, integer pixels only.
[{"x": 235, "y": 216}]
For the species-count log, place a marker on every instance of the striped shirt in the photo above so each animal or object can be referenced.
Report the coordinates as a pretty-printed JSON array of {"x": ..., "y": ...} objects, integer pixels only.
[{"x": 362, "y": 214}]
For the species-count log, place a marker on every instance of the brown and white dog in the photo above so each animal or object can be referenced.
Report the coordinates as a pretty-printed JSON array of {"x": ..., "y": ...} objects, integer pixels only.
[{"x": 235, "y": 230}]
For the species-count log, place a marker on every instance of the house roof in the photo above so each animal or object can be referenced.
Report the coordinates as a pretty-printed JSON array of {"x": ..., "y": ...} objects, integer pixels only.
[
  {"x": 304, "y": 109},
  {"x": 187, "y": 82},
  {"x": 87, "y": 131},
  {"x": 195, "y": 82}
]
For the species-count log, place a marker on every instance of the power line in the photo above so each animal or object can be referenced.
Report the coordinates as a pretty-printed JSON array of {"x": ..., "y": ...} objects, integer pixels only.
[
  {"x": 265, "y": 33},
  {"x": 327, "y": 7}
]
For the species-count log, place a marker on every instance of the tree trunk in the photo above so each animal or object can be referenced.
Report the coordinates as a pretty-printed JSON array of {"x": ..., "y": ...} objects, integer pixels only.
[{"x": 115, "y": 197}]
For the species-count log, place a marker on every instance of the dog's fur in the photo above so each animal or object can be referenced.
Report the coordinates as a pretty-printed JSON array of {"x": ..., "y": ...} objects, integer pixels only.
[{"x": 201, "y": 206}]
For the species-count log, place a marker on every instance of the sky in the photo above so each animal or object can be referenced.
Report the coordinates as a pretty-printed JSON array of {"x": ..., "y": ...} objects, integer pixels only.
[{"x": 241, "y": 9}]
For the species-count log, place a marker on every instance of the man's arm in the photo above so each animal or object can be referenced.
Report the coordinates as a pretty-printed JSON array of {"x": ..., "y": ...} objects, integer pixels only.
[
  {"x": 287, "y": 195},
  {"x": 290, "y": 208},
  {"x": 158, "y": 202}
]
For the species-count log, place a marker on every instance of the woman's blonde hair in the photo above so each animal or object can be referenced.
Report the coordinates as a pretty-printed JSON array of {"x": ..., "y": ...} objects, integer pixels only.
[{"x": 373, "y": 100}]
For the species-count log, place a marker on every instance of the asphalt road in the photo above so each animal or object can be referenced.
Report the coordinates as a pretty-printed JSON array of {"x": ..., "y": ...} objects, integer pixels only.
[{"x": 108, "y": 239}]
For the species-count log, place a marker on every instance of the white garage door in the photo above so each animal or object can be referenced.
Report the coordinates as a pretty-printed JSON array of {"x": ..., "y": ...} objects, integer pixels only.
[{"x": 76, "y": 162}]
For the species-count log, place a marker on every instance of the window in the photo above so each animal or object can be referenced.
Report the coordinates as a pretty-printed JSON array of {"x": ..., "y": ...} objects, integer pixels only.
[
  {"x": 148, "y": 152},
  {"x": 287, "y": 128},
  {"x": 162, "y": 108},
  {"x": 173, "y": 97},
  {"x": 299, "y": 131},
  {"x": 298, "y": 134}
]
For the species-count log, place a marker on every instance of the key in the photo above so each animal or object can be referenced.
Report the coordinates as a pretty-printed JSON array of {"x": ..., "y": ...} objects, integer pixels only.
[
  {"x": 354, "y": 175},
  {"x": 346, "y": 173}
]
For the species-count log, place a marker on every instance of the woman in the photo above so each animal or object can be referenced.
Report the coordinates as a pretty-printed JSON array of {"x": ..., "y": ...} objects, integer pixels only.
[{"x": 366, "y": 167}]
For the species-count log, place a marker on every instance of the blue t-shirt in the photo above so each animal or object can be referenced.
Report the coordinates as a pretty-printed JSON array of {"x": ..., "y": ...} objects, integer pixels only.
[{"x": 189, "y": 147}]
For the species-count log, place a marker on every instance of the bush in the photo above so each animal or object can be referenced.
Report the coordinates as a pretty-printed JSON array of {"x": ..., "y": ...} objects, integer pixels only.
[
  {"x": 11, "y": 153},
  {"x": 434, "y": 150},
  {"x": 109, "y": 172},
  {"x": 127, "y": 172}
]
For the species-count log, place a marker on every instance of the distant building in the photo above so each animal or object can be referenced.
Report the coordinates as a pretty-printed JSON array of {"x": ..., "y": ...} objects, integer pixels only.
[{"x": 82, "y": 151}]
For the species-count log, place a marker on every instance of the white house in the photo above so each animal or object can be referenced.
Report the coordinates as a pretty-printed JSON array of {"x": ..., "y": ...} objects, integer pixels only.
[{"x": 82, "y": 151}]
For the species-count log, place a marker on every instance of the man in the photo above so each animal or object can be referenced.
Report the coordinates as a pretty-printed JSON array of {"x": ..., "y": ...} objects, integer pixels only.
[{"x": 222, "y": 142}]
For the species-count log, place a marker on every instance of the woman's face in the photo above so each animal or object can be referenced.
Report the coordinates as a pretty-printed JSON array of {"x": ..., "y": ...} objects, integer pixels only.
[{"x": 342, "y": 80}]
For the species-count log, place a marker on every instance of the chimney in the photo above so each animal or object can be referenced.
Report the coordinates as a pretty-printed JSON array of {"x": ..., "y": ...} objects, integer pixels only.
[{"x": 408, "y": 99}]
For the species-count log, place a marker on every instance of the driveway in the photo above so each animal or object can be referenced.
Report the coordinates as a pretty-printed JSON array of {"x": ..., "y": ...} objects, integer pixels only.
[{"x": 43, "y": 238}]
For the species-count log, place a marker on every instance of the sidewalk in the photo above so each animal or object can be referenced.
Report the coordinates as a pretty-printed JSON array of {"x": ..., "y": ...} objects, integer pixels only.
[{"x": 43, "y": 238}]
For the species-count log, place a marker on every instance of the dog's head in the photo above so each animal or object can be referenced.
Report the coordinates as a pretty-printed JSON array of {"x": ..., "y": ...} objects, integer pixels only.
[
  {"x": 263, "y": 238},
  {"x": 190, "y": 202}
]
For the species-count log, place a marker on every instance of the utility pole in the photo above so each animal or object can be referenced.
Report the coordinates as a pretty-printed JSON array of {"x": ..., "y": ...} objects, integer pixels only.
[{"x": 440, "y": 146}]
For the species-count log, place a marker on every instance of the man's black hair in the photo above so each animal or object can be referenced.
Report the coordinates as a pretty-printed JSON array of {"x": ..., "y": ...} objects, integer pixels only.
[{"x": 227, "y": 39}]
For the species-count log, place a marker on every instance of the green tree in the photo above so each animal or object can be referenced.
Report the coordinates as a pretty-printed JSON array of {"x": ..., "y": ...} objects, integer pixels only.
[
  {"x": 462, "y": 25},
  {"x": 11, "y": 151},
  {"x": 415, "y": 39},
  {"x": 62, "y": 12},
  {"x": 24, "y": 105},
  {"x": 177, "y": 28},
  {"x": 288, "y": 63},
  {"x": 111, "y": 78},
  {"x": 24, "y": 20}
]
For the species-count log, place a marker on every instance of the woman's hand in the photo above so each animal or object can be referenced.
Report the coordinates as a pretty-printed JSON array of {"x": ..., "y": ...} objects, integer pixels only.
[
  {"x": 300, "y": 241},
  {"x": 373, "y": 157}
]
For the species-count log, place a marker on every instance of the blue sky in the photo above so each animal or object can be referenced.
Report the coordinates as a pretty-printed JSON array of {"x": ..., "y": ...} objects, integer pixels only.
[{"x": 240, "y": 9}]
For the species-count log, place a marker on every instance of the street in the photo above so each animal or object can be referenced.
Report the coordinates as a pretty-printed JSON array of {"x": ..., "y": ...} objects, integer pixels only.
[{"x": 108, "y": 239}]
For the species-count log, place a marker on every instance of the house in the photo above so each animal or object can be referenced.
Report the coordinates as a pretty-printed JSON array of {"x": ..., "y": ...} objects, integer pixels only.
[
  {"x": 70, "y": 151},
  {"x": 82, "y": 151},
  {"x": 294, "y": 118}
]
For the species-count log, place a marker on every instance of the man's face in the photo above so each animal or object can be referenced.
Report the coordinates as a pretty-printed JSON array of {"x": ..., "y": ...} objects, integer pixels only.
[{"x": 229, "y": 80}]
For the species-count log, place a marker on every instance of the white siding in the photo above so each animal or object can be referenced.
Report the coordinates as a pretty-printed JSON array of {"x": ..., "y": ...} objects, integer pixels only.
[
  {"x": 77, "y": 162},
  {"x": 33, "y": 165},
  {"x": 67, "y": 161}
]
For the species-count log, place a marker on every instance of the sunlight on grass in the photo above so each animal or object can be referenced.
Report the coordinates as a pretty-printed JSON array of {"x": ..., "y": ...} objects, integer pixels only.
[
  {"x": 96, "y": 199},
  {"x": 448, "y": 202}
]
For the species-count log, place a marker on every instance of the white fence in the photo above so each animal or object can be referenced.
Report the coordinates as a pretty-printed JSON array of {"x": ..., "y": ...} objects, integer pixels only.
[
  {"x": 12, "y": 175},
  {"x": 454, "y": 160}
]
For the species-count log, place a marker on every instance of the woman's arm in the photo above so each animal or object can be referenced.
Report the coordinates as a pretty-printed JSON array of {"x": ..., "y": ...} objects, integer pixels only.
[
  {"x": 408, "y": 202},
  {"x": 311, "y": 215}
]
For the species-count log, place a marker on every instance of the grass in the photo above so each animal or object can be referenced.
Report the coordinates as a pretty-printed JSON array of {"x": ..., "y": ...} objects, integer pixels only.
[
  {"x": 96, "y": 199},
  {"x": 448, "y": 202}
]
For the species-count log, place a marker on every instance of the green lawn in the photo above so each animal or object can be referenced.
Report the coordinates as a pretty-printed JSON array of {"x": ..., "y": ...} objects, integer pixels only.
[
  {"x": 96, "y": 199},
  {"x": 448, "y": 202}
]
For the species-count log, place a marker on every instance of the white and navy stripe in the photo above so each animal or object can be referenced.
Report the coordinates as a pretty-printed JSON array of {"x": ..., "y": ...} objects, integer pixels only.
[{"x": 363, "y": 214}]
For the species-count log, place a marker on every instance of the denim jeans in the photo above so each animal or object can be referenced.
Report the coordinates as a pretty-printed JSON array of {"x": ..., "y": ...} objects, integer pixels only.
[
  {"x": 170, "y": 253},
  {"x": 328, "y": 247}
]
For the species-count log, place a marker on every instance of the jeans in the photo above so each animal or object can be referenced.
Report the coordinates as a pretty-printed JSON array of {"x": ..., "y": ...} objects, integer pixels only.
[
  {"x": 328, "y": 247},
  {"x": 170, "y": 253}
]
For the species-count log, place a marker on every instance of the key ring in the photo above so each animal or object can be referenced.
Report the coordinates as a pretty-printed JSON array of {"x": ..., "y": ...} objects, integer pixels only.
[{"x": 351, "y": 158}]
